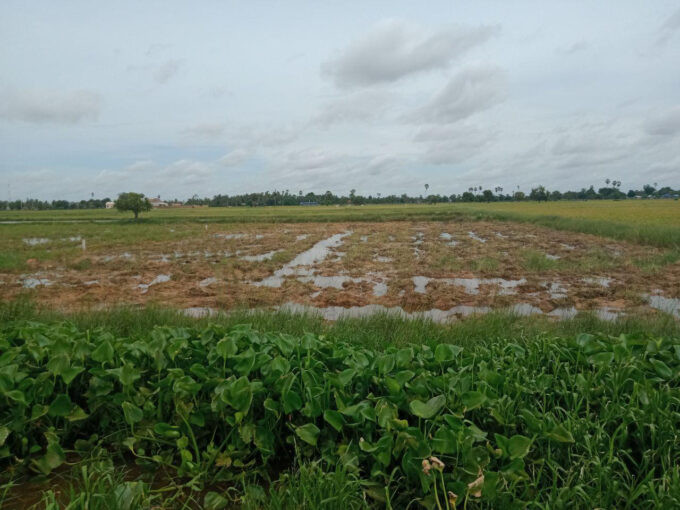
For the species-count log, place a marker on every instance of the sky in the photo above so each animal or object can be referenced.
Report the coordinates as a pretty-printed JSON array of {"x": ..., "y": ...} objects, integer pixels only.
[{"x": 202, "y": 98}]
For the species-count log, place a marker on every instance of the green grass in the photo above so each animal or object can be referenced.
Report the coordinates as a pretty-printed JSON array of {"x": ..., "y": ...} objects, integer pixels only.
[
  {"x": 376, "y": 332},
  {"x": 653, "y": 222}
]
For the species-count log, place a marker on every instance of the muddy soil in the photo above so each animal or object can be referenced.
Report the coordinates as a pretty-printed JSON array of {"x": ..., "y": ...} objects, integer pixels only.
[{"x": 413, "y": 266}]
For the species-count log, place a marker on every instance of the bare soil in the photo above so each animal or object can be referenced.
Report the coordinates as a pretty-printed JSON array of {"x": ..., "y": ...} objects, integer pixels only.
[{"x": 478, "y": 264}]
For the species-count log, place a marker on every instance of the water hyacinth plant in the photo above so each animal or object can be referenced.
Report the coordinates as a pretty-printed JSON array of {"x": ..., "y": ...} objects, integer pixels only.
[{"x": 582, "y": 422}]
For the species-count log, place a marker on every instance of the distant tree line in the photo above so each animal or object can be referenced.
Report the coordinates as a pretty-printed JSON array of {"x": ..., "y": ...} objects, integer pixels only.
[
  {"x": 40, "y": 205},
  {"x": 474, "y": 194},
  {"x": 612, "y": 190}
]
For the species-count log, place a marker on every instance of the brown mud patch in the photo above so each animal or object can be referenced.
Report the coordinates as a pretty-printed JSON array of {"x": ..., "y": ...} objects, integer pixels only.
[{"x": 371, "y": 264}]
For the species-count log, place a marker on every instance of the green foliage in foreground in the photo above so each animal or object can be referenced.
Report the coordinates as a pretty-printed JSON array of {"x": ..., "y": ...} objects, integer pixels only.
[{"x": 585, "y": 422}]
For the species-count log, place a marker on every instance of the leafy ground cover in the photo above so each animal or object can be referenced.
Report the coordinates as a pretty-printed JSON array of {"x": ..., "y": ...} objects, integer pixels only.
[{"x": 229, "y": 416}]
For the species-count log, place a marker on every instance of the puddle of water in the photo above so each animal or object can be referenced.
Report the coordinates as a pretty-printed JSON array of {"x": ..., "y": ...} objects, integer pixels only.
[
  {"x": 363, "y": 239},
  {"x": 301, "y": 237},
  {"x": 32, "y": 283},
  {"x": 419, "y": 283},
  {"x": 607, "y": 314},
  {"x": 600, "y": 280},
  {"x": 198, "y": 312},
  {"x": 474, "y": 236},
  {"x": 380, "y": 258},
  {"x": 379, "y": 289},
  {"x": 552, "y": 257},
  {"x": 161, "y": 278},
  {"x": 316, "y": 253},
  {"x": 333, "y": 313},
  {"x": 556, "y": 290},
  {"x": 525, "y": 309},
  {"x": 259, "y": 236},
  {"x": 35, "y": 241},
  {"x": 471, "y": 285},
  {"x": 391, "y": 238},
  {"x": 498, "y": 234},
  {"x": 260, "y": 257},
  {"x": 567, "y": 246},
  {"x": 91, "y": 282},
  {"x": 208, "y": 282},
  {"x": 664, "y": 304},
  {"x": 564, "y": 313},
  {"x": 448, "y": 237},
  {"x": 230, "y": 236}
]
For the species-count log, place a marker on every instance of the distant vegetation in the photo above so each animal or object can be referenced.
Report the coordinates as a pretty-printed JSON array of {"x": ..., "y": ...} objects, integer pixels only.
[{"x": 611, "y": 191}]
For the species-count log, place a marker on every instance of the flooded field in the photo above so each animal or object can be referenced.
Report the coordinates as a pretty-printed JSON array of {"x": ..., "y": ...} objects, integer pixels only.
[{"x": 440, "y": 270}]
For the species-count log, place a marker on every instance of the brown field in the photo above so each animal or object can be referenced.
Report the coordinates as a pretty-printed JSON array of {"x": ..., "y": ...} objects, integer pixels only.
[{"x": 449, "y": 269}]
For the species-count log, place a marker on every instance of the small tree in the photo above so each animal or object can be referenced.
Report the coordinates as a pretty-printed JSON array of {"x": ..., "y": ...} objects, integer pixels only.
[{"x": 134, "y": 202}]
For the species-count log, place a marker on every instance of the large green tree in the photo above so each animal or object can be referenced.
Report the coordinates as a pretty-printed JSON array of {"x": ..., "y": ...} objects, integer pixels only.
[{"x": 134, "y": 202}]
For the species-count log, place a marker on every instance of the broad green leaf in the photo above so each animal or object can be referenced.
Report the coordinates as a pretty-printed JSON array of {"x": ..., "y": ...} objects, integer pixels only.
[
  {"x": 103, "y": 353},
  {"x": 38, "y": 410},
  {"x": 560, "y": 434},
  {"x": 4, "y": 434},
  {"x": 133, "y": 414},
  {"x": 215, "y": 501},
  {"x": 166, "y": 430},
  {"x": 226, "y": 347},
  {"x": 53, "y": 458},
  {"x": 70, "y": 373},
  {"x": 77, "y": 413},
  {"x": 60, "y": 406},
  {"x": 518, "y": 446},
  {"x": 446, "y": 352},
  {"x": 291, "y": 402},
  {"x": 309, "y": 433},
  {"x": 427, "y": 409},
  {"x": 661, "y": 369},
  {"x": 334, "y": 419},
  {"x": 472, "y": 399},
  {"x": 240, "y": 394}
]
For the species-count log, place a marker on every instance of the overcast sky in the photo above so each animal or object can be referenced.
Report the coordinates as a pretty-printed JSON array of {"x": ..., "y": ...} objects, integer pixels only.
[{"x": 183, "y": 98}]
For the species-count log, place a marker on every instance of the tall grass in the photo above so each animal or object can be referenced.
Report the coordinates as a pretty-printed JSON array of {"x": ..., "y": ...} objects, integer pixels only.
[{"x": 378, "y": 331}]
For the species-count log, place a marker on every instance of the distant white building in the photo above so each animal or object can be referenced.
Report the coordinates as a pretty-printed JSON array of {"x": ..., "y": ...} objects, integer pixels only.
[
  {"x": 157, "y": 202},
  {"x": 110, "y": 205}
]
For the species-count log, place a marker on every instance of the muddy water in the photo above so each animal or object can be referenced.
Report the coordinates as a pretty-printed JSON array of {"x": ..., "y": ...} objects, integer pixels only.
[
  {"x": 260, "y": 257},
  {"x": 315, "y": 254},
  {"x": 35, "y": 241},
  {"x": 664, "y": 304},
  {"x": 161, "y": 278},
  {"x": 471, "y": 285},
  {"x": 474, "y": 236}
]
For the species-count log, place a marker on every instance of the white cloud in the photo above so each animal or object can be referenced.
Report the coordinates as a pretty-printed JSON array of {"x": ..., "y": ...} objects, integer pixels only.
[
  {"x": 453, "y": 143},
  {"x": 51, "y": 106},
  {"x": 669, "y": 28},
  {"x": 233, "y": 158},
  {"x": 207, "y": 130},
  {"x": 361, "y": 106},
  {"x": 394, "y": 49},
  {"x": 164, "y": 72},
  {"x": 472, "y": 90},
  {"x": 665, "y": 124}
]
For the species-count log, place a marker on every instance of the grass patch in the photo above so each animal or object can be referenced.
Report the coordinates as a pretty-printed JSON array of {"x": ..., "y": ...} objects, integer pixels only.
[
  {"x": 11, "y": 261},
  {"x": 533, "y": 260},
  {"x": 483, "y": 264}
]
